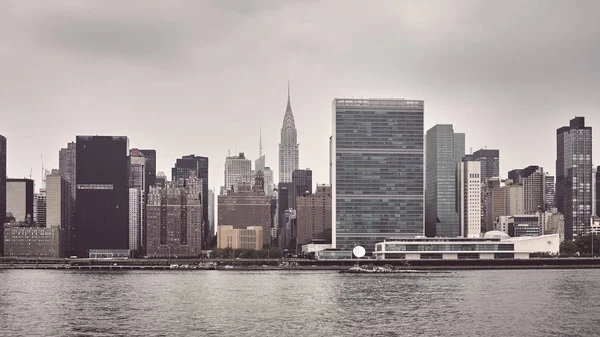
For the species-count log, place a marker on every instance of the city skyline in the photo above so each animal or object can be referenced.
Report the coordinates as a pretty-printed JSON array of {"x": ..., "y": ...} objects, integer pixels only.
[{"x": 170, "y": 77}]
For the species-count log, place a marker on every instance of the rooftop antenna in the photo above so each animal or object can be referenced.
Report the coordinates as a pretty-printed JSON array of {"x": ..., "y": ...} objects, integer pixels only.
[{"x": 260, "y": 148}]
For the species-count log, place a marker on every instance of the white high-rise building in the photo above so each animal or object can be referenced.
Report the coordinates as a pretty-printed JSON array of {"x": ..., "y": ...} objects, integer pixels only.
[
  {"x": 137, "y": 183},
  {"x": 238, "y": 170},
  {"x": 468, "y": 203},
  {"x": 288, "y": 147}
]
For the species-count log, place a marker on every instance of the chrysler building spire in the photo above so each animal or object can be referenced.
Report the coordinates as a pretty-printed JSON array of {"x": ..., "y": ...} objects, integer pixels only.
[{"x": 288, "y": 147}]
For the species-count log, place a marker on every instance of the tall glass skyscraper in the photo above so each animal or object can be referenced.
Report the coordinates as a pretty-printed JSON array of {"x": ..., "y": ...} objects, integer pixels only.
[
  {"x": 445, "y": 150},
  {"x": 574, "y": 176},
  {"x": 377, "y": 169}
]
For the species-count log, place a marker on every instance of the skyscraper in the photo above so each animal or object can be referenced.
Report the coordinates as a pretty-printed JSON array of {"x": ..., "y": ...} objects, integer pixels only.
[
  {"x": 574, "y": 176},
  {"x": 533, "y": 179},
  {"x": 39, "y": 207},
  {"x": 286, "y": 200},
  {"x": 2, "y": 189},
  {"x": 245, "y": 207},
  {"x": 468, "y": 204},
  {"x": 181, "y": 172},
  {"x": 175, "y": 219},
  {"x": 59, "y": 207},
  {"x": 549, "y": 200},
  {"x": 150, "y": 178},
  {"x": 377, "y": 170},
  {"x": 102, "y": 207},
  {"x": 19, "y": 199},
  {"x": 238, "y": 170},
  {"x": 302, "y": 181},
  {"x": 288, "y": 147},
  {"x": 211, "y": 211},
  {"x": 67, "y": 165},
  {"x": 313, "y": 216},
  {"x": 445, "y": 149},
  {"x": 490, "y": 163},
  {"x": 137, "y": 193}
]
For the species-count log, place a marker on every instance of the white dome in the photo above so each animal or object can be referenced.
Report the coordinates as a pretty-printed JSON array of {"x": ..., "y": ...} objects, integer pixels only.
[{"x": 496, "y": 235}]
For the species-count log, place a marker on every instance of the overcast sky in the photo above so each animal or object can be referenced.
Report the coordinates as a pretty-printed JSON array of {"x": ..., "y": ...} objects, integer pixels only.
[{"x": 202, "y": 77}]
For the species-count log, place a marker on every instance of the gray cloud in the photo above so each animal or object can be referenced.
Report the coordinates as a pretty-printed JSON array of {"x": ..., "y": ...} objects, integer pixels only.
[{"x": 202, "y": 77}]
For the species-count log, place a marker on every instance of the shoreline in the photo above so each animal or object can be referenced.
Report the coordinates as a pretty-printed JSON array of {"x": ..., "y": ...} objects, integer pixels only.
[{"x": 293, "y": 264}]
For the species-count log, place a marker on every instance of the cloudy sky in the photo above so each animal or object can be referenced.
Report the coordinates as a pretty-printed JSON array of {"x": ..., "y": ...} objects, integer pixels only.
[{"x": 203, "y": 77}]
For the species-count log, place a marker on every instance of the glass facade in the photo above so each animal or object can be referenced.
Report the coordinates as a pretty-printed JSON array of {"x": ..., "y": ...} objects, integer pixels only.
[
  {"x": 445, "y": 149},
  {"x": 574, "y": 176},
  {"x": 465, "y": 247},
  {"x": 378, "y": 170}
]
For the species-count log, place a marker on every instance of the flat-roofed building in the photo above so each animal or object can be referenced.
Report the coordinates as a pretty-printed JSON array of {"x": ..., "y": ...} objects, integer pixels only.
[
  {"x": 249, "y": 238},
  {"x": 34, "y": 242},
  {"x": 494, "y": 245}
]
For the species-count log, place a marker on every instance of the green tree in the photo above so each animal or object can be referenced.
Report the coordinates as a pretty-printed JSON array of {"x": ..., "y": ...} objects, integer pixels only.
[{"x": 569, "y": 248}]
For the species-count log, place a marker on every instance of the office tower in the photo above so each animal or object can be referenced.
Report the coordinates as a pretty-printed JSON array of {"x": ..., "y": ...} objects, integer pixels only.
[
  {"x": 468, "y": 204},
  {"x": 181, "y": 172},
  {"x": 533, "y": 179},
  {"x": 269, "y": 185},
  {"x": 288, "y": 147},
  {"x": 549, "y": 203},
  {"x": 286, "y": 199},
  {"x": 288, "y": 230},
  {"x": 150, "y": 176},
  {"x": 39, "y": 207},
  {"x": 2, "y": 189},
  {"x": 330, "y": 160},
  {"x": 175, "y": 219},
  {"x": 137, "y": 193},
  {"x": 313, "y": 216},
  {"x": 505, "y": 200},
  {"x": 377, "y": 170},
  {"x": 490, "y": 163},
  {"x": 245, "y": 207},
  {"x": 444, "y": 150},
  {"x": 161, "y": 179},
  {"x": 211, "y": 212},
  {"x": 238, "y": 170},
  {"x": 594, "y": 191},
  {"x": 67, "y": 165},
  {"x": 19, "y": 199},
  {"x": 574, "y": 176},
  {"x": 102, "y": 204},
  {"x": 302, "y": 181},
  {"x": 59, "y": 207},
  {"x": 514, "y": 175},
  {"x": 598, "y": 191}
]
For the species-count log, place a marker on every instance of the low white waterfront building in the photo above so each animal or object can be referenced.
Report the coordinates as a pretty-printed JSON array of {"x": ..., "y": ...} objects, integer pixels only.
[{"x": 493, "y": 245}]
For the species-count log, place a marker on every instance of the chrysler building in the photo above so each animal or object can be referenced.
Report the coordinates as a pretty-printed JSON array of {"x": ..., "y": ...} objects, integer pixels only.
[{"x": 288, "y": 147}]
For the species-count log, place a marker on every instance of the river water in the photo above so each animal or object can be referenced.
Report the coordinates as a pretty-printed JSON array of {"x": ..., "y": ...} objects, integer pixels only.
[{"x": 287, "y": 303}]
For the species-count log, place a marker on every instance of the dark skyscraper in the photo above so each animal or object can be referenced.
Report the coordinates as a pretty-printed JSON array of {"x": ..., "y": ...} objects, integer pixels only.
[
  {"x": 445, "y": 149},
  {"x": 181, "y": 171},
  {"x": 490, "y": 163},
  {"x": 150, "y": 156},
  {"x": 67, "y": 165},
  {"x": 286, "y": 200},
  {"x": 2, "y": 190},
  {"x": 102, "y": 205},
  {"x": 302, "y": 180},
  {"x": 574, "y": 176},
  {"x": 377, "y": 170}
]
